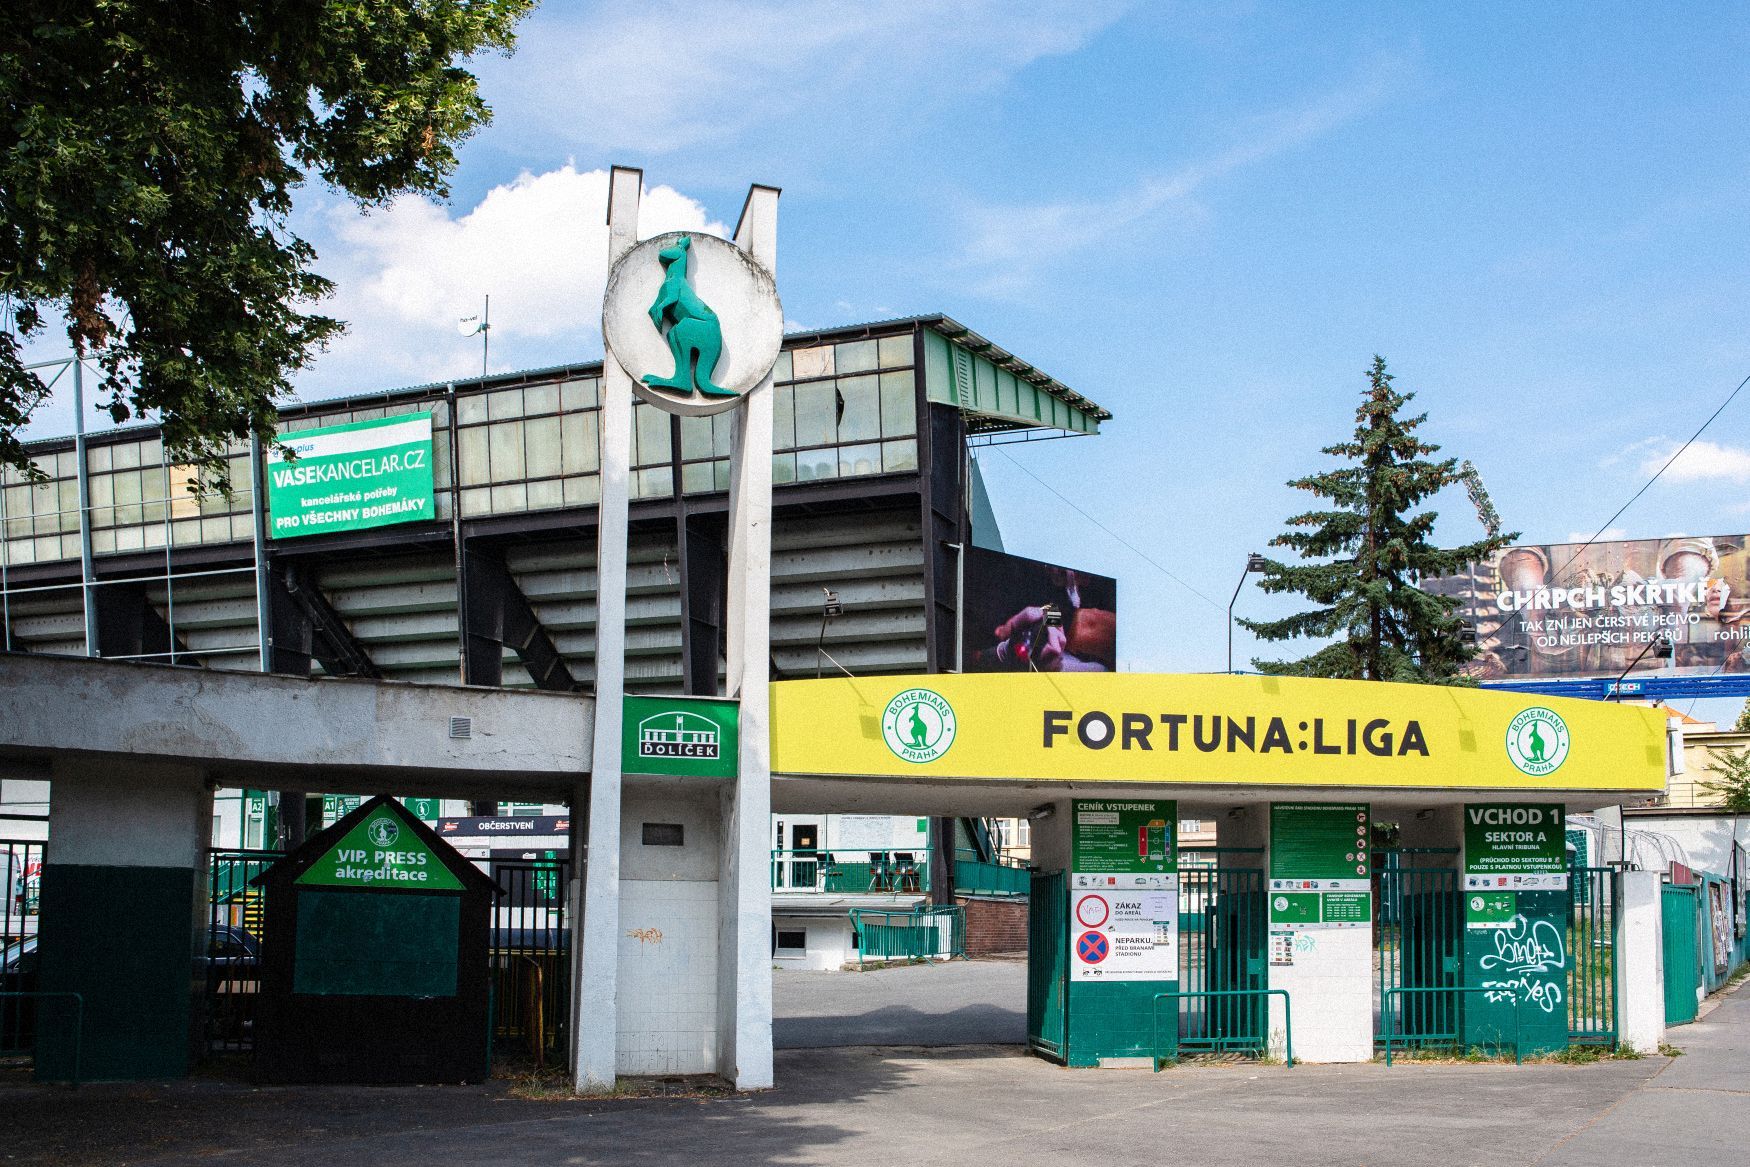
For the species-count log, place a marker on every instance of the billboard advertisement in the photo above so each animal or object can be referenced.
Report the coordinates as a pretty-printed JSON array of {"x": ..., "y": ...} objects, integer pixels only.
[
  {"x": 1022, "y": 615},
  {"x": 1587, "y": 610},
  {"x": 351, "y": 477}
]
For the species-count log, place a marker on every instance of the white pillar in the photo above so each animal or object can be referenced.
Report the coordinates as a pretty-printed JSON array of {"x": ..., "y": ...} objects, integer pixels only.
[
  {"x": 744, "y": 980},
  {"x": 595, "y": 986},
  {"x": 1640, "y": 971}
]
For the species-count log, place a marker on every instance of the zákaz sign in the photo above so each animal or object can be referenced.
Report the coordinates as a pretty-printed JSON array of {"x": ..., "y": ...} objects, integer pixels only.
[{"x": 351, "y": 477}]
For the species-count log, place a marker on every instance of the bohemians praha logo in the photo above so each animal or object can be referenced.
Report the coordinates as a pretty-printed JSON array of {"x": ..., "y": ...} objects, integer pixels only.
[
  {"x": 1537, "y": 741},
  {"x": 384, "y": 831},
  {"x": 918, "y": 725}
]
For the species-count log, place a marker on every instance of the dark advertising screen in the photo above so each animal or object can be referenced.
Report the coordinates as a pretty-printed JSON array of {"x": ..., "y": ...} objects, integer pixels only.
[{"x": 1023, "y": 615}]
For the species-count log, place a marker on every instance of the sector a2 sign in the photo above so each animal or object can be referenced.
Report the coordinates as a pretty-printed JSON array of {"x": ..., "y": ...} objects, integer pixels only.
[{"x": 351, "y": 477}]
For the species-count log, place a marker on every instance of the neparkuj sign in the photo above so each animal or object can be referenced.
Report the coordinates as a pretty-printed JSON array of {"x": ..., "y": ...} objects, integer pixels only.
[{"x": 351, "y": 477}]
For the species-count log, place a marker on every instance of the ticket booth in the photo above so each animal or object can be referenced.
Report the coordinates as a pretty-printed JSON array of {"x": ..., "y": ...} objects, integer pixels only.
[{"x": 374, "y": 958}]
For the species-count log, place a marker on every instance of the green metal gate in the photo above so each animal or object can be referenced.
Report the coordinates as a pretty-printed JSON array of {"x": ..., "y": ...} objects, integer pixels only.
[
  {"x": 232, "y": 947},
  {"x": 1048, "y": 964},
  {"x": 1419, "y": 942},
  {"x": 1222, "y": 934},
  {"x": 1679, "y": 906},
  {"x": 1592, "y": 954}
]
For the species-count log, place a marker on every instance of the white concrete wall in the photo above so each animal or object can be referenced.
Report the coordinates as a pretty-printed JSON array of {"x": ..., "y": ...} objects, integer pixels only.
[
  {"x": 1706, "y": 839},
  {"x": 1331, "y": 986},
  {"x": 668, "y": 977},
  {"x": 1640, "y": 973},
  {"x": 667, "y": 947},
  {"x": 829, "y": 942},
  {"x": 141, "y": 815}
]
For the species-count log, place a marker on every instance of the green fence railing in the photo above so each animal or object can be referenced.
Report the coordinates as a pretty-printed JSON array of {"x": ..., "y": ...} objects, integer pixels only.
[
  {"x": 986, "y": 877},
  {"x": 1389, "y": 1037},
  {"x": 880, "y": 873},
  {"x": 919, "y": 934},
  {"x": 1221, "y": 1044}
]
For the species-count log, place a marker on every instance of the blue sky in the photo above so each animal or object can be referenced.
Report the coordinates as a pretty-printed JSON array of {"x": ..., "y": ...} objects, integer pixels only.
[{"x": 1206, "y": 217}]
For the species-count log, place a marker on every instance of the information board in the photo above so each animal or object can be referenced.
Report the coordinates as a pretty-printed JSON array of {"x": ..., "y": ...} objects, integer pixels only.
[
  {"x": 351, "y": 477},
  {"x": 1124, "y": 890},
  {"x": 1129, "y": 837},
  {"x": 1515, "y": 846},
  {"x": 1320, "y": 865}
]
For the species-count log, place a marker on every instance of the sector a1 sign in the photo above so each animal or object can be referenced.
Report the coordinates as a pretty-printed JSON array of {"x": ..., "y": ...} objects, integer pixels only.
[
  {"x": 695, "y": 321},
  {"x": 351, "y": 477}
]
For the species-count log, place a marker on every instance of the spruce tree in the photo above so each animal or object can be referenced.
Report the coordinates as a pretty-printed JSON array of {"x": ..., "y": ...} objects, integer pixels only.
[{"x": 1365, "y": 556}]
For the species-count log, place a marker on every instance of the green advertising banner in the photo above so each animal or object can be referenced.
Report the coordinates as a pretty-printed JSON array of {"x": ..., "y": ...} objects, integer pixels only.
[
  {"x": 1320, "y": 865},
  {"x": 1124, "y": 837},
  {"x": 380, "y": 851},
  {"x": 351, "y": 477},
  {"x": 1515, "y": 846},
  {"x": 685, "y": 737}
]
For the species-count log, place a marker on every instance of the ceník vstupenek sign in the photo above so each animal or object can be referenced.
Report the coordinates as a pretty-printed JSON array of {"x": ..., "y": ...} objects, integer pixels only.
[
  {"x": 351, "y": 477},
  {"x": 1561, "y": 609}
]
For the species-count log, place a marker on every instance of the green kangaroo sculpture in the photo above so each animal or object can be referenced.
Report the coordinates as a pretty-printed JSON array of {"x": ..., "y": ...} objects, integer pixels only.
[{"x": 695, "y": 339}]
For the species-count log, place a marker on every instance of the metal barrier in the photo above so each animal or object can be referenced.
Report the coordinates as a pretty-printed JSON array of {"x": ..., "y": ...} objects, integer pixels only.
[
  {"x": 232, "y": 946},
  {"x": 531, "y": 957},
  {"x": 822, "y": 871},
  {"x": 919, "y": 934},
  {"x": 78, "y": 1021},
  {"x": 1386, "y": 1013},
  {"x": 1222, "y": 1043},
  {"x": 975, "y": 876},
  {"x": 1591, "y": 980}
]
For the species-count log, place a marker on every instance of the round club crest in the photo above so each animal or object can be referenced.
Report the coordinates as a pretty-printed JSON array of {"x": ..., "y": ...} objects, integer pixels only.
[
  {"x": 1537, "y": 741},
  {"x": 918, "y": 725},
  {"x": 383, "y": 832},
  {"x": 694, "y": 320}
]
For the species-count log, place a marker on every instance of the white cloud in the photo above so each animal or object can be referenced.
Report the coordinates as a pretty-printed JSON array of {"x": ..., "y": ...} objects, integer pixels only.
[
  {"x": 1008, "y": 243},
  {"x": 1703, "y": 461},
  {"x": 537, "y": 246},
  {"x": 658, "y": 77},
  {"x": 1608, "y": 535}
]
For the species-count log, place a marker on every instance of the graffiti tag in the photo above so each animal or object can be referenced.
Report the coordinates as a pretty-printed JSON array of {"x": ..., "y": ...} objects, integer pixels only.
[{"x": 1530, "y": 962}]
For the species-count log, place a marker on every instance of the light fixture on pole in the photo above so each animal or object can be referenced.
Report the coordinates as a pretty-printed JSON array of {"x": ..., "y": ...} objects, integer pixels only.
[
  {"x": 830, "y": 610},
  {"x": 1254, "y": 562},
  {"x": 481, "y": 326},
  {"x": 1660, "y": 642}
]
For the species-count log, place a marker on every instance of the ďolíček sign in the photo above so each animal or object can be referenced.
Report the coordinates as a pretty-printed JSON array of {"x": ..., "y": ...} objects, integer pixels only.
[{"x": 351, "y": 477}]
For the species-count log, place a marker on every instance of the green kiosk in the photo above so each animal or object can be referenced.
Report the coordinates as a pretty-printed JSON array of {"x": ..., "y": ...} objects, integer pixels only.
[{"x": 374, "y": 961}]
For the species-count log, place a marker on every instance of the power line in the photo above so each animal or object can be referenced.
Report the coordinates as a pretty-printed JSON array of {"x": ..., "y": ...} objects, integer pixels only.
[
  {"x": 1649, "y": 482},
  {"x": 1143, "y": 555}
]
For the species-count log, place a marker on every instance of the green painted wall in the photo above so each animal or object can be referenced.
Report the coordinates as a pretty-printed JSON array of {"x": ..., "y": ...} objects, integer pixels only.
[{"x": 123, "y": 937}]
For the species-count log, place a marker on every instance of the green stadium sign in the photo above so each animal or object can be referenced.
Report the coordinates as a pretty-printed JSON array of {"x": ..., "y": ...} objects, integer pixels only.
[
  {"x": 688, "y": 737},
  {"x": 351, "y": 477}
]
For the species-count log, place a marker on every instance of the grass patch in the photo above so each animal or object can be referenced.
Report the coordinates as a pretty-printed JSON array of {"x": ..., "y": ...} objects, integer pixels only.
[
  {"x": 554, "y": 1085},
  {"x": 1670, "y": 1050}
]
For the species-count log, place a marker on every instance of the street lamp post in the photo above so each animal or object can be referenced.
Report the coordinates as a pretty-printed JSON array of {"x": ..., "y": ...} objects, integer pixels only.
[{"x": 1254, "y": 562}]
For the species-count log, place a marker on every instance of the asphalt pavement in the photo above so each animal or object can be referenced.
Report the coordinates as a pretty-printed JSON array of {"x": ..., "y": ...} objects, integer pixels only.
[{"x": 953, "y": 1105}]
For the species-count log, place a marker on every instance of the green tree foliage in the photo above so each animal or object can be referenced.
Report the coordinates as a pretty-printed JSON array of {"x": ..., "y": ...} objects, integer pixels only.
[
  {"x": 148, "y": 158},
  {"x": 1365, "y": 555},
  {"x": 1742, "y": 725},
  {"x": 1731, "y": 784}
]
